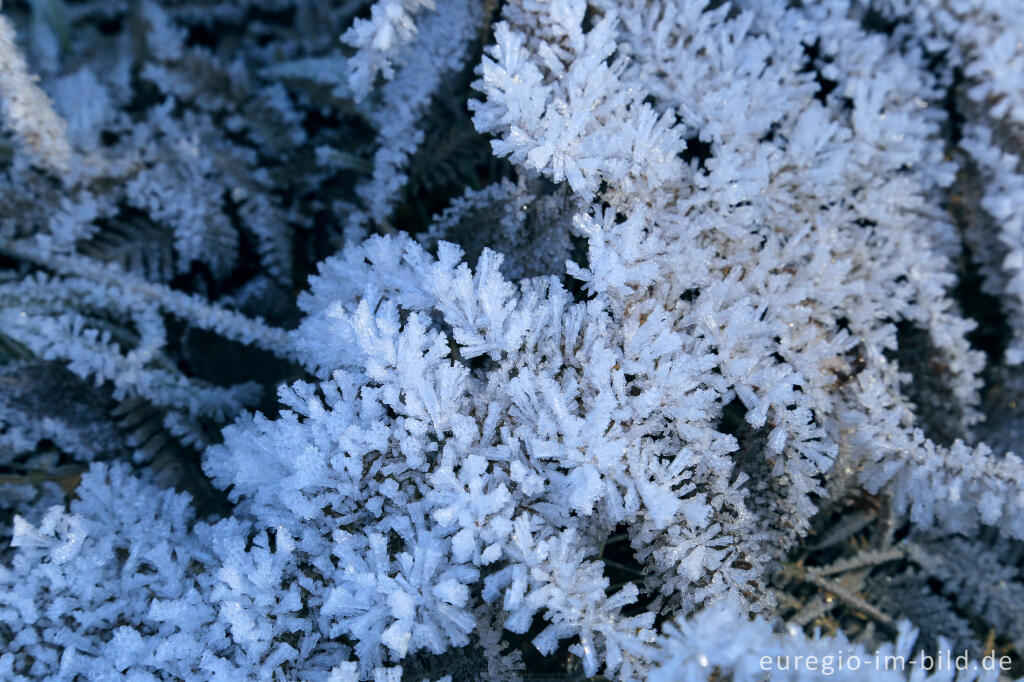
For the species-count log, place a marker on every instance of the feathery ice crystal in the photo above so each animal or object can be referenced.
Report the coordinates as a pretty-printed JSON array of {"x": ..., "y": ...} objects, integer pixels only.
[{"x": 701, "y": 364}]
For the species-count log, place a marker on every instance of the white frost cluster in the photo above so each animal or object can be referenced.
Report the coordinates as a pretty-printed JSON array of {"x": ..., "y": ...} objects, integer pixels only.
[
  {"x": 752, "y": 247},
  {"x": 379, "y": 39}
]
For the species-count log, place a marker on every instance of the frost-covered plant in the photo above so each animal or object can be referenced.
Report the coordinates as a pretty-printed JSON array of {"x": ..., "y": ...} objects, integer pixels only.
[
  {"x": 721, "y": 639},
  {"x": 728, "y": 357},
  {"x": 442, "y": 42},
  {"x": 163, "y": 230},
  {"x": 27, "y": 110}
]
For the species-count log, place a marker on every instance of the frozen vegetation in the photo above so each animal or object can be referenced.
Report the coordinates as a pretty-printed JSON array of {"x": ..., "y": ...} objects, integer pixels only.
[{"x": 464, "y": 340}]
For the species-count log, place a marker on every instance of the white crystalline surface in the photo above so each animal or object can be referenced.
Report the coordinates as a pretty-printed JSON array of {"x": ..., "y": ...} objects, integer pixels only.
[{"x": 754, "y": 206}]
